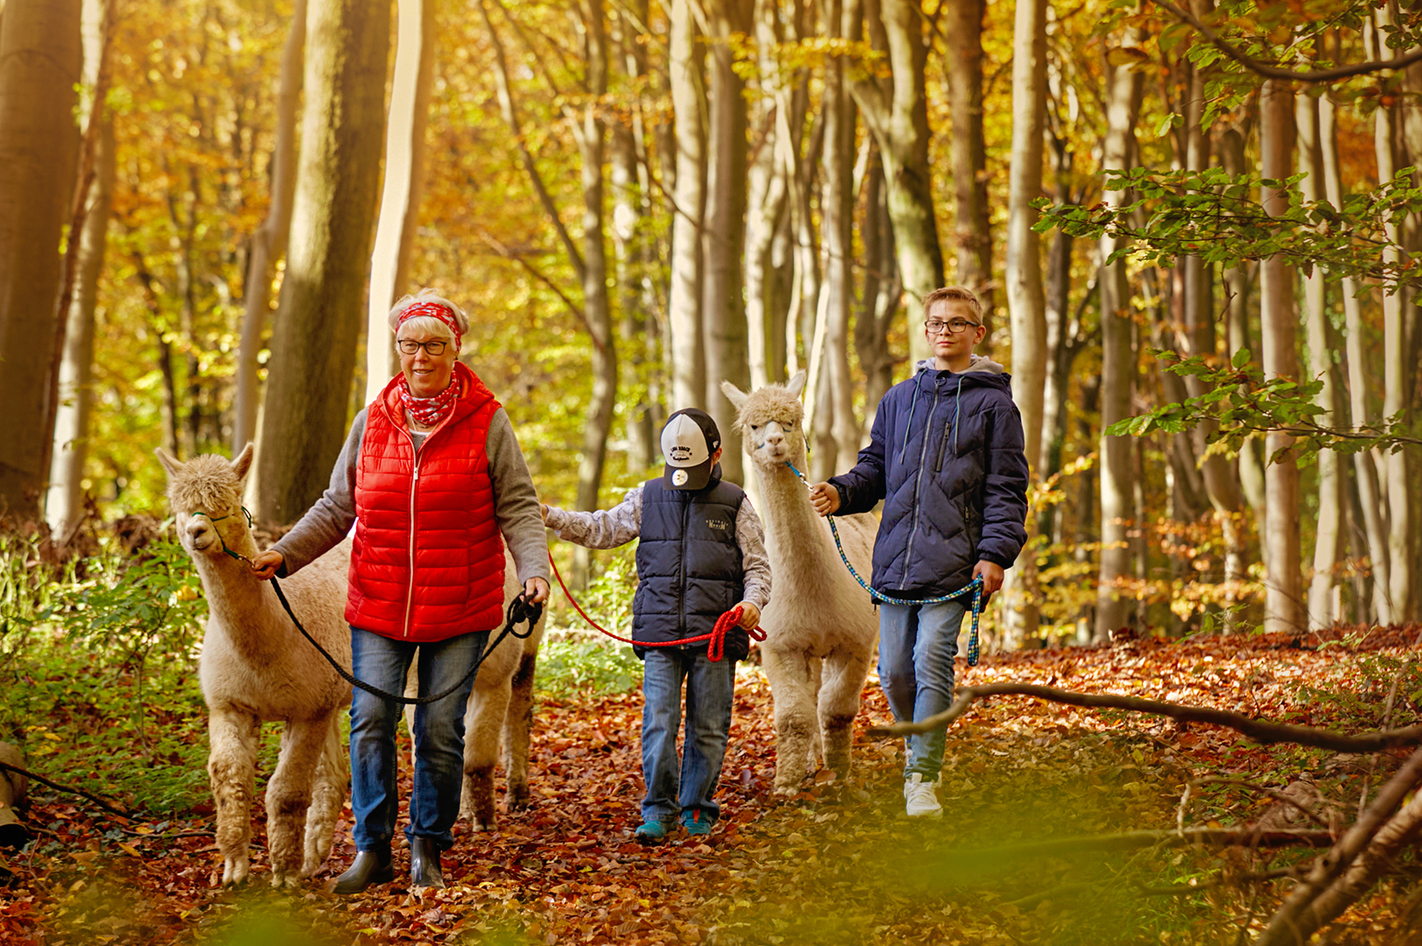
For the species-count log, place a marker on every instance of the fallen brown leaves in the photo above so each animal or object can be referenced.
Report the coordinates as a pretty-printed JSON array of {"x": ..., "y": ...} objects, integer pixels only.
[{"x": 834, "y": 864}]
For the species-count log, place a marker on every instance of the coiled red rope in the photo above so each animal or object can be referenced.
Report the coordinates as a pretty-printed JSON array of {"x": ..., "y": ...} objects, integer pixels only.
[{"x": 715, "y": 649}]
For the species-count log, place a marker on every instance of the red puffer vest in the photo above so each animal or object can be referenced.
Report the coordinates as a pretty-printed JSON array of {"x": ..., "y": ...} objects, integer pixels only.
[{"x": 428, "y": 560}]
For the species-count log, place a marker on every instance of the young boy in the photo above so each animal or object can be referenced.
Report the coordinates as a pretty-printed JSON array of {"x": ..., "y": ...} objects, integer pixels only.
[
  {"x": 946, "y": 457},
  {"x": 701, "y": 553}
]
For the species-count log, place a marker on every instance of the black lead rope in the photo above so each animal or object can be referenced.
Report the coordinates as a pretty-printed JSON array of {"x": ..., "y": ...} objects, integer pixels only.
[{"x": 520, "y": 610}]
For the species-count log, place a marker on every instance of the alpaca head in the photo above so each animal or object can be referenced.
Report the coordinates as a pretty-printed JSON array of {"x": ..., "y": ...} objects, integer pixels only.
[
  {"x": 206, "y": 493},
  {"x": 770, "y": 421}
]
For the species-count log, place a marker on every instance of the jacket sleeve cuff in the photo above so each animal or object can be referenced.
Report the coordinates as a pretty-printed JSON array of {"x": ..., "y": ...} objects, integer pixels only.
[{"x": 997, "y": 560}]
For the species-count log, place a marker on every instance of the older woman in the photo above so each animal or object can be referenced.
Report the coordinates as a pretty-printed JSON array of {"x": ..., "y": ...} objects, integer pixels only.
[{"x": 431, "y": 476}]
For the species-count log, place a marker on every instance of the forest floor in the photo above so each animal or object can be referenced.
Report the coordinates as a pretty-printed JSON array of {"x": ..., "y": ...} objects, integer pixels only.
[{"x": 834, "y": 864}]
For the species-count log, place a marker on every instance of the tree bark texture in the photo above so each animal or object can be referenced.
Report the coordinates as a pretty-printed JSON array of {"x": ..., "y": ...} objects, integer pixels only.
[
  {"x": 972, "y": 232},
  {"x": 39, "y": 68},
  {"x": 688, "y": 348},
  {"x": 323, "y": 290}
]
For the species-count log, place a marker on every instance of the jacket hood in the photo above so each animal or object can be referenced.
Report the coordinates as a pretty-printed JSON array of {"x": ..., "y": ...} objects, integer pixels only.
[{"x": 981, "y": 372}]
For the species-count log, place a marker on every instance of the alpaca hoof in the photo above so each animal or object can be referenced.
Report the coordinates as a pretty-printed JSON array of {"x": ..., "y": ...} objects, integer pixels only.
[
  {"x": 235, "y": 871},
  {"x": 518, "y": 798},
  {"x": 284, "y": 880}
]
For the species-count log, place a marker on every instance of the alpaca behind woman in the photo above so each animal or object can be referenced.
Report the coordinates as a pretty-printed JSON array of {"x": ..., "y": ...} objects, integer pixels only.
[{"x": 820, "y": 624}]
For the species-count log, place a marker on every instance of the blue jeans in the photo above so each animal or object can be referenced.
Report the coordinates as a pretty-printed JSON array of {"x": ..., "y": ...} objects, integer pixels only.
[
  {"x": 708, "y": 725},
  {"x": 917, "y": 644},
  {"x": 438, "y": 735}
]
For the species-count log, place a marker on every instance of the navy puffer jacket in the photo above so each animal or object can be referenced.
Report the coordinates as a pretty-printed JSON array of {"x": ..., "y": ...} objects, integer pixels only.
[{"x": 946, "y": 456}]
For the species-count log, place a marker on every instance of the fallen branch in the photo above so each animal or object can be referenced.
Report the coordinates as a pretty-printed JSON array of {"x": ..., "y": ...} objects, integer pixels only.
[
  {"x": 1134, "y": 840},
  {"x": 66, "y": 788},
  {"x": 1261, "y": 732}
]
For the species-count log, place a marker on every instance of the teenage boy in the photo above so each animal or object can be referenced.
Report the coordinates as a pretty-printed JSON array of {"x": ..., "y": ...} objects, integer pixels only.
[
  {"x": 701, "y": 553},
  {"x": 946, "y": 457}
]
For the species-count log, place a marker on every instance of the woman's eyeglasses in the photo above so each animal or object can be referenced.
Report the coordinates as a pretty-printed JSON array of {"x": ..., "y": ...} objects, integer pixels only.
[
  {"x": 408, "y": 346},
  {"x": 952, "y": 326}
]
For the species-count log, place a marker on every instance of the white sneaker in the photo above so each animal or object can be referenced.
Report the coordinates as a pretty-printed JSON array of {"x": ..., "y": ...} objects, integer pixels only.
[{"x": 921, "y": 797}]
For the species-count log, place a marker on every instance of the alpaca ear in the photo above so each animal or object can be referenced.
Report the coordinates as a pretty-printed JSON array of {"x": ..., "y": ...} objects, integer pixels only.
[
  {"x": 734, "y": 394},
  {"x": 796, "y": 385},
  {"x": 171, "y": 464},
  {"x": 243, "y": 463}
]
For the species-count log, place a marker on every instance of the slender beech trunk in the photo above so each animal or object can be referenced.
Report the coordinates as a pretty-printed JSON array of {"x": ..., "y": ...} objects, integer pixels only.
[
  {"x": 972, "y": 232},
  {"x": 1026, "y": 303},
  {"x": 1284, "y": 602},
  {"x": 1118, "y": 371},
  {"x": 64, "y": 506},
  {"x": 1365, "y": 470},
  {"x": 395, "y": 229},
  {"x": 899, "y": 123},
  {"x": 688, "y": 347},
  {"x": 323, "y": 290},
  {"x": 882, "y": 289},
  {"x": 766, "y": 209},
  {"x": 269, "y": 241},
  {"x": 1329, "y": 547},
  {"x": 39, "y": 69}
]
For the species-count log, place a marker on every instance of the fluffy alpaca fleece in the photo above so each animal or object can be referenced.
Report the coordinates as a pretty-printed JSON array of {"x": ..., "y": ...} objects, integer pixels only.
[
  {"x": 500, "y": 711},
  {"x": 821, "y": 627},
  {"x": 256, "y": 666}
]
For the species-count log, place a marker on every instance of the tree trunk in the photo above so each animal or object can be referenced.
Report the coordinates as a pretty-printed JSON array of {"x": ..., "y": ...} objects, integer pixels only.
[
  {"x": 1329, "y": 547},
  {"x": 323, "y": 290},
  {"x": 723, "y": 233},
  {"x": 418, "y": 29},
  {"x": 39, "y": 68},
  {"x": 64, "y": 507},
  {"x": 1118, "y": 372},
  {"x": 1026, "y": 301},
  {"x": 269, "y": 241},
  {"x": 1283, "y": 603},
  {"x": 1365, "y": 471},
  {"x": 688, "y": 348},
  {"x": 899, "y": 123},
  {"x": 765, "y": 213},
  {"x": 882, "y": 290},
  {"x": 972, "y": 233}
]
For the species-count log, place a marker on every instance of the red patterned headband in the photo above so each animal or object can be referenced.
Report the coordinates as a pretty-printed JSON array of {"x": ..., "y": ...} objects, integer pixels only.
[{"x": 436, "y": 310}]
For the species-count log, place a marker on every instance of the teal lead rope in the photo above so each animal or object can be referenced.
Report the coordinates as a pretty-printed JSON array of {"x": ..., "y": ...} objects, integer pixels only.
[{"x": 975, "y": 587}]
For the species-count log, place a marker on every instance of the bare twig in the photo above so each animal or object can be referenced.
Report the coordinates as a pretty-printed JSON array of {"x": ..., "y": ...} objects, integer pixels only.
[{"x": 66, "y": 788}]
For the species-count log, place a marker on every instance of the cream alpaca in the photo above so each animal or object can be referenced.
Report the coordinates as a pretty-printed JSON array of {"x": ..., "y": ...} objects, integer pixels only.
[
  {"x": 821, "y": 627},
  {"x": 255, "y": 667}
]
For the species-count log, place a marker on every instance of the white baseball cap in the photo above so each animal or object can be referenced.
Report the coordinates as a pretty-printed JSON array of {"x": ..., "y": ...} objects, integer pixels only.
[{"x": 689, "y": 440}]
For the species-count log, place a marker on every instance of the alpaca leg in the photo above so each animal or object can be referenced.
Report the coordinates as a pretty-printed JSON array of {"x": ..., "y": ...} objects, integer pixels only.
[
  {"x": 839, "y": 703},
  {"x": 289, "y": 795},
  {"x": 231, "y": 762},
  {"x": 791, "y": 682},
  {"x": 327, "y": 796},
  {"x": 817, "y": 745},
  {"x": 483, "y": 724},
  {"x": 518, "y": 729}
]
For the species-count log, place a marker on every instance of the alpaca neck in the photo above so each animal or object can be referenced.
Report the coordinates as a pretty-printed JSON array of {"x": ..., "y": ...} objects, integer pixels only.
[
  {"x": 247, "y": 610},
  {"x": 796, "y": 533}
]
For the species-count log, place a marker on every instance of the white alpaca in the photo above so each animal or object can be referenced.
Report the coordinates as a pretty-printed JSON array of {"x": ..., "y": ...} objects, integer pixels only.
[
  {"x": 255, "y": 666},
  {"x": 821, "y": 626}
]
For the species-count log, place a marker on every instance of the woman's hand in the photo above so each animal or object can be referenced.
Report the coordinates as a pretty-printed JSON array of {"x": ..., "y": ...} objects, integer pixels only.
[
  {"x": 750, "y": 615},
  {"x": 536, "y": 590},
  {"x": 267, "y": 564},
  {"x": 825, "y": 499}
]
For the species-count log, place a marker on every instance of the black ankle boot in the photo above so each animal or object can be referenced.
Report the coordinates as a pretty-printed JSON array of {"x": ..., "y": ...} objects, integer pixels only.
[
  {"x": 369, "y": 867},
  {"x": 424, "y": 863}
]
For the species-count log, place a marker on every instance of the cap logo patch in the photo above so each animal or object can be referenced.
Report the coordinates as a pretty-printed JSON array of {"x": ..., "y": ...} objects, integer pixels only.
[{"x": 679, "y": 478}]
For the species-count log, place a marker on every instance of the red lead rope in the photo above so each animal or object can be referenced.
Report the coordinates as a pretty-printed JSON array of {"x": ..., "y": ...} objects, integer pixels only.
[{"x": 715, "y": 650}]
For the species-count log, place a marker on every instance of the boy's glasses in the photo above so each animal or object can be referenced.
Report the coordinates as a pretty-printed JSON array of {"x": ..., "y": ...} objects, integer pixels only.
[
  {"x": 952, "y": 326},
  {"x": 408, "y": 346}
]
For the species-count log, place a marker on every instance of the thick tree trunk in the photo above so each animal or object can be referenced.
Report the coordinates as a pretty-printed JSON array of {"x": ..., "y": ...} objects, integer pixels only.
[
  {"x": 323, "y": 290},
  {"x": 1284, "y": 602},
  {"x": 269, "y": 241},
  {"x": 1118, "y": 372},
  {"x": 1026, "y": 301},
  {"x": 1365, "y": 470},
  {"x": 39, "y": 68},
  {"x": 418, "y": 27},
  {"x": 64, "y": 506},
  {"x": 688, "y": 348},
  {"x": 899, "y": 123}
]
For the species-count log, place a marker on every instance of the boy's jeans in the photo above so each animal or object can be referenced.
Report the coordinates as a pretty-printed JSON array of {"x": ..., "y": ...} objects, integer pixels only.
[
  {"x": 708, "y": 724},
  {"x": 438, "y": 735},
  {"x": 917, "y": 644}
]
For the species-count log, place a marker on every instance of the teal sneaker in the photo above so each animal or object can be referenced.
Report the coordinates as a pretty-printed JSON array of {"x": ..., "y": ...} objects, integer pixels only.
[
  {"x": 651, "y": 832},
  {"x": 695, "y": 825}
]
